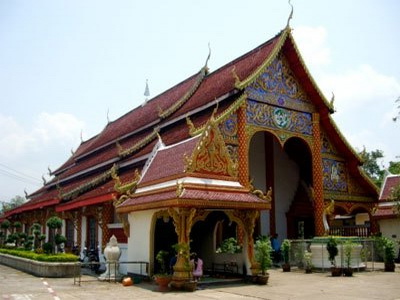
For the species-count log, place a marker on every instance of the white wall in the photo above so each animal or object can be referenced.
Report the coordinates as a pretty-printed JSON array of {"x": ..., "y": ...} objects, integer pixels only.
[
  {"x": 257, "y": 166},
  {"x": 361, "y": 218},
  {"x": 286, "y": 178},
  {"x": 140, "y": 240},
  {"x": 390, "y": 228},
  {"x": 286, "y": 182}
]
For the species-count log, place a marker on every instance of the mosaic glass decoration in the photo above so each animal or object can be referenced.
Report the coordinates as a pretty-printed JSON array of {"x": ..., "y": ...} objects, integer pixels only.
[
  {"x": 264, "y": 115},
  {"x": 278, "y": 86},
  {"x": 334, "y": 175},
  {"x": 229, "y": 128}
]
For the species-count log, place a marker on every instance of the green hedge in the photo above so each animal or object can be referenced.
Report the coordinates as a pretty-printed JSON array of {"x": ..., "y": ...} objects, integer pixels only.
[{"x": 62, "y": 257}]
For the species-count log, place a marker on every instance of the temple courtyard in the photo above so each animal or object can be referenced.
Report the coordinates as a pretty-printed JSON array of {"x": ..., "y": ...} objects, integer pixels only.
[{"x": 15, "y": 284}]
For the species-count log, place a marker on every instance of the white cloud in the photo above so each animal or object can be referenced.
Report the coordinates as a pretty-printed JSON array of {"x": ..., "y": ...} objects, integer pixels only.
[
  {"x": 360, "y": 86},
  {"x": 364, "y": 97},
  {"x": 311, "y": 42},
  {"x": 48, "y": 129}
]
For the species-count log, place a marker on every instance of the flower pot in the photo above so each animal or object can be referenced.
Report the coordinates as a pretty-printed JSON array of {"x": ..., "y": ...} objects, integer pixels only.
[
  {"x": 336, "y": 272},
  {"x": 308, "y": 271},
  {"x": 348, "y": 272},
  {"x": 163, "y": 282},
  {"x": 262, "y": 279},
  {"x": 389, "y": 266},
  {"x": 286, "y": 267},
  {"x": 190, "y": 286},
  {"x": 127, "y": 281}
]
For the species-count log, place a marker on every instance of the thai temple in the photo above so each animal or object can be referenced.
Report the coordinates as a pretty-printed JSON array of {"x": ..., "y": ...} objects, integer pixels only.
[{"x": 246, "y": 150}]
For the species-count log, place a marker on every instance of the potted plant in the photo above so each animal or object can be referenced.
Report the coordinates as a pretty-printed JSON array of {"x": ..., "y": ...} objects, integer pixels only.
[
  {"x": 307, "y": 261},
  {"x": 285, "y": 249},
  {"x": 263, "y": 251},
  {"x": 333, "y": 251},
  {"x": 389, "y": 254},
  {"x": 348, "y": 249},
  {"x": 162, "y": 278}
]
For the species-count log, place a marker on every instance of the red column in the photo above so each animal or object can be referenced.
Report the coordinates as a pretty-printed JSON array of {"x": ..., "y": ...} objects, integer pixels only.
[
  {"x": 243, "y": 159},
  {"x": 317, "y": 177}
]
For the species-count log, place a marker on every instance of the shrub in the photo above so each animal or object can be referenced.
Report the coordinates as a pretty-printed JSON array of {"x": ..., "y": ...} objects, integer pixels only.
[
  {"x": 17, "y": 224},
  {"x": 229, "y": 245},
  {"x": 48, "y": 248},
  {"x": 54, "y": 222},
  {"x": 5, "y": 224},
  {"x": 28, "y": 245},
  {"x": 263, "y": 251},
  {"x": 285, "y": 248},
  {"x": 59, "y": 239},
  {"x": 64, "y": 257},
  {"x": 333, "y": 250}
]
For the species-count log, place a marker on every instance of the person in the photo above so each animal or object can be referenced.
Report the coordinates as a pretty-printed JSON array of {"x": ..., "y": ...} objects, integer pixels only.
[
  {"x": 172, "y": 263},
  {"x": 276, "y": 247},
  {"x": 197, "y": 264}
]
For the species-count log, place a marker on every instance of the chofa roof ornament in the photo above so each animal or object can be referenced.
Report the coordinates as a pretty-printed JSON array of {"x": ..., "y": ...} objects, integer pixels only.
[{"x": 290, "y": 15}]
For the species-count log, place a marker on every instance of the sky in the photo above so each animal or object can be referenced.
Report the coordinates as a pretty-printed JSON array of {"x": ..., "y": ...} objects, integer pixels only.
[{"x": 69, "y": 66}]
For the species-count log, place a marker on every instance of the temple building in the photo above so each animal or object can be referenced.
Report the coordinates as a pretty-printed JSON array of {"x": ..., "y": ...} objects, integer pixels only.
[
  {"x": 246, "y": 150},
  {"x": 387, "y": 211}
]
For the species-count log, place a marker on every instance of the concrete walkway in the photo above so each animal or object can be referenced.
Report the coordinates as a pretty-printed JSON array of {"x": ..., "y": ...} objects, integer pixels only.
[{"x": 294, "y": 285}]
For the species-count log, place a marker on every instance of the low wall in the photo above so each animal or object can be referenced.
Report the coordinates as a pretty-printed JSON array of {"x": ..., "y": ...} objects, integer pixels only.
[{"x": 41, "y": 269}]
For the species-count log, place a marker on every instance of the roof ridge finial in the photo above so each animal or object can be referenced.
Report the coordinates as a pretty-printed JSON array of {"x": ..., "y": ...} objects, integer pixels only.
[
  {"x": 146, "y": 93},
  {"x": 147, "y": 90},
  {"x": 290, "y": 15},
  {"x": 208, "y": 57}
]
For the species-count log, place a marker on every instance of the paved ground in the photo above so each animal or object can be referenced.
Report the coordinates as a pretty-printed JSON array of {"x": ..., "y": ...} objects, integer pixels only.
[{"x": 294, "y": 285}]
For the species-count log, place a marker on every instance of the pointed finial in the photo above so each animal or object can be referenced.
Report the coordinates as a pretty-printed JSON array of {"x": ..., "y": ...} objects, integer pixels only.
[
  {"x": 208, "y": 58},
  {"x": 81, "y": 135},
  {"x": 44, "y": 179},
  {"x": 291, "y": 14},
  {"x": 147, "y": 90},
  {"x": 72, "y": 151},
  {"x": 108, "y": 116},
  {"x": 48, "y": 168},
  {"x": 26, "y": 194},
  {"x": 331, "y": 103}
]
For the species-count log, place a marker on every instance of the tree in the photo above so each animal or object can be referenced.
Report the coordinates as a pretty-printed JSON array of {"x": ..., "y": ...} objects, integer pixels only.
[
  {"x": 371, "y": 166},
  {"x": 394, "y": 167},
  {"x": 13, "y": 203}
]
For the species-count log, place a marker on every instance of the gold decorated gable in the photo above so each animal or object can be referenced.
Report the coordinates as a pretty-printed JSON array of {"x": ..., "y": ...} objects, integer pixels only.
[
  {"x": 211, "y": 156},
  {"x": 278, "y": 86}
]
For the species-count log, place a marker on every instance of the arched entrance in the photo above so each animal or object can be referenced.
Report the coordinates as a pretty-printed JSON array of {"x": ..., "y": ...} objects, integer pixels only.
[
  {"x": 214, "y": 238},
  {"x": 288, "y": 170},
  {"x": 164, "y": 238}
]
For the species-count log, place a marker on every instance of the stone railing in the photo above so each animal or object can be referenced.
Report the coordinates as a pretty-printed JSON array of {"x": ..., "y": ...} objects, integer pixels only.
[{"x": 41, "y": 269}]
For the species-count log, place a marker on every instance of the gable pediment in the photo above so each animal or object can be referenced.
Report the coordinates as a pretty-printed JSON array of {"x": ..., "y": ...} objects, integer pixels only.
[
  {"x": 211, "y": 156},
  {"x": 278, "y": 86}
]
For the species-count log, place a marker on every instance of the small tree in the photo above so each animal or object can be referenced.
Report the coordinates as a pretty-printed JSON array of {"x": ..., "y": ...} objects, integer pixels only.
[
  {"x": 333, "y": 250},
  {"x": 36, "y": 233},
  {"x": 263, "y": 250},
  {"x": 5, "y": 225},
  {"x": 53, "y": 223}
]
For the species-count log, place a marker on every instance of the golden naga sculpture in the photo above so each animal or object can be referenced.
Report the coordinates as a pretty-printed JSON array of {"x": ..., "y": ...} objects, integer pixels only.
[
  {"x": 264, "y": 196},
  {"x": 126, "y": 191},
  {"x": 328, "y": 210}
]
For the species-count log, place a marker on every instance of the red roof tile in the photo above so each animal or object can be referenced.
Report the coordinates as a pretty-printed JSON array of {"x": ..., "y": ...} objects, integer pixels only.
[
  {"x": 169, "y": 161},
  {"x": 390, "y": 182},
  {"x": 199, "y": 198}
]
